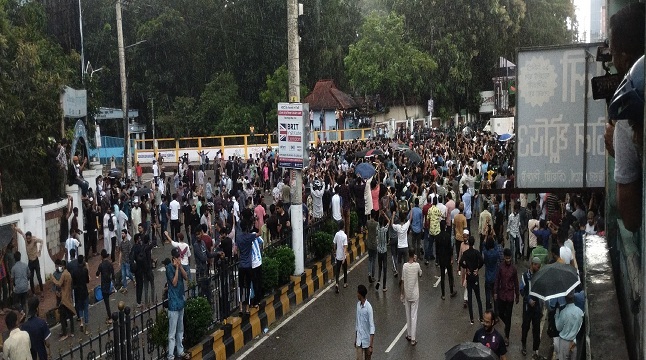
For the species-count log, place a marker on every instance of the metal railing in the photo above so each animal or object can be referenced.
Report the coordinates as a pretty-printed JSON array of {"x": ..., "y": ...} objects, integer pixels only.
[{"x": 131, "y": 336}]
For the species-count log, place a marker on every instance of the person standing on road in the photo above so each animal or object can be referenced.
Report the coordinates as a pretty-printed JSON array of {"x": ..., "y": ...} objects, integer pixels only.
[
  {"x": 568, "y": 323},
  {"x": 109, "y": 234},
  {"x": 409, "y": 287},
  {"x": 175, "y": 277},
  {"x": 491, "y": 259},
  {"x": 402, "y": 237},
  {"x": 256, "y": 269},
  {"x": 382, "y": 251},
  {"x": 471, "y": 261},
  {"x": 106, "y": 272},
  {"x": 124, "y": 260},
  {"x": 417, "y": 228},
  {"x": 80, "y": 279},
  {"x": 506, "y": 291},
  {"x": 459, "y": 225},
  {"x": 445, "y": 258},
  {"x": 341, "y": 255},
  {"x": 490, "y": 337},
  {"x": 66, "y": 308},
  {"x": 532, "y": 310},
  {"x": 20, "y": 280},
  {"x": 38, "y": 331},
  {"x": 364, "y": 334},
  {"x": 371, "y": 244},
  {"x": 33, "y": 253},
  {"x": 434, "y": 216},
  {"x": 174, "y": 210},
  {"x": 244, "y": 237}
]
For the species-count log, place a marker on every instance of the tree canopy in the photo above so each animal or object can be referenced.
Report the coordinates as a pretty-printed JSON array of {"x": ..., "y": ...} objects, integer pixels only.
[{"x": 384, "y": 61}]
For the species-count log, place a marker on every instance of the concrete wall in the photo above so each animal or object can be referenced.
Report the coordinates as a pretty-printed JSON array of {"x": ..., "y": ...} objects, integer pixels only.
[
  {"x": 45, "y": 221},
  {"x": 398, "y": 113}
]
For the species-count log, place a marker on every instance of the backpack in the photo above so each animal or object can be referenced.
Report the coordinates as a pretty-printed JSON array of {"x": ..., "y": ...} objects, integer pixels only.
[{"x": 111, "y": 223}]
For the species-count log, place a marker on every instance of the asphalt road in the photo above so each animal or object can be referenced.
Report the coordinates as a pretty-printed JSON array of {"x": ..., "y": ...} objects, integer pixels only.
[{"x": 323, "y": 327}]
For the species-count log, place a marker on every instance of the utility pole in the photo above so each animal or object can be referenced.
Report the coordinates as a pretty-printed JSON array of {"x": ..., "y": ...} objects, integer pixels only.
[
  {"x": 124, "y": 90},
  {"x": 296, "y": 176},
  {"x": 152, "y": 110}
]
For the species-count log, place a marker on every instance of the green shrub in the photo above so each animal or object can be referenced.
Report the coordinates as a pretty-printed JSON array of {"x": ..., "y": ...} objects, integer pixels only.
[
  {"x": 354, "y": 224},
  {"x": 286, "y": 261},
  {"x": 198, "y": 316},
  {"x": 322, "y": 244},
  {"x": 270, "y": 270},
  {"x": 160, "y": 329},
  {"x": 330, "y": 226}
]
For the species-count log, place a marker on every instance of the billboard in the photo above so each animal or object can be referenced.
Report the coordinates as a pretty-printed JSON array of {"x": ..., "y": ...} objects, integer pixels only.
[
  {"x": 74, "y": 102},
  {"x": 559, "y": 126},
  {"x": 293, "y": 135},
  {"x": 488, "y": 104}
]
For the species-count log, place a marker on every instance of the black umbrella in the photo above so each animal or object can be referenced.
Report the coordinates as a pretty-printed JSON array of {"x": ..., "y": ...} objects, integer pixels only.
[
  {"x": 143, "y": 191},
  {"x": 412, "y": 156},
  {"x": 553, "y": 281},
  {"x": 470, "y": 351},
  {"x": 114, "y": 173}
]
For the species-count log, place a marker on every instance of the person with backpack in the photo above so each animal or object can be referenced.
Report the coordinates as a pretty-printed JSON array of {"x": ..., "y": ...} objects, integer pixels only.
[{"x": 106, "y": 271}]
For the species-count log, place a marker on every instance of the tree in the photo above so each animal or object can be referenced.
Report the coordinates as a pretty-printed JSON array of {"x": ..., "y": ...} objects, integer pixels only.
[
  {"x": 34, "y": 70},
  {"x": 276, "y": 90},
  {"x": 385, "y": 61}
]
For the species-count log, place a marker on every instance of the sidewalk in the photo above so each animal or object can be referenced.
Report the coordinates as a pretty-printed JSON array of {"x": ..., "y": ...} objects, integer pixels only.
[{"x": 96, "y": 310}]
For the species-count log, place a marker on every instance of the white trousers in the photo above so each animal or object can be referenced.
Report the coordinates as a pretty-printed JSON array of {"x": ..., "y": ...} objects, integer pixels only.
[{"x": 411, "y": 317}]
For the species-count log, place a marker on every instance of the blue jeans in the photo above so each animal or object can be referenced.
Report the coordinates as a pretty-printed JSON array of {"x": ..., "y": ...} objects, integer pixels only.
[
  {"x": 175, "y": 333},
  {"x": 85, "y": 309},
  {"x": 187, "y": 268},
  {"x": 125, "y": 274},
  {"x": 372, "y": 259}
]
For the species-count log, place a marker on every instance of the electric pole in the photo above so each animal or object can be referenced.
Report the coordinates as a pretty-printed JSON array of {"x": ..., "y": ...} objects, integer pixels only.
[
  {"x": 296, "y": 175},
  {"x": 124, "y": 90}
]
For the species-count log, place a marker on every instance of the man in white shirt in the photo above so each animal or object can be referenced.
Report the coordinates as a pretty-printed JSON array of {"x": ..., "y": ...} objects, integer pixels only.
[
  {"x": 317, "y": 200},
  {"x": 174, "y": 208},
  {"x": 340, "y": 255},
  {"x": 402, "y": 238},
  {"x": 72, "y": 243},
  {"x": 135, "y": 215},
  {"x": 109, "y": 236},
  {"x": 336, "y": 205},
  {"x": 565, "y": 253},
  {"x": 155, "y": 171}
]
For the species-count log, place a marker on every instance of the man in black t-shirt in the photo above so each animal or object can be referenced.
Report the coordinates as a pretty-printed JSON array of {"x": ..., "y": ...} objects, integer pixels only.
[{"x": 490, "y": 337}]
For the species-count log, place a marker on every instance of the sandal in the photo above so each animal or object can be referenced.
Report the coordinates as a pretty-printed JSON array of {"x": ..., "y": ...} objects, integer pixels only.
[
  {"x": 408, "y": 338},
  {"x": 413, "y": 342},
  {"x": 345, "y": 285}
]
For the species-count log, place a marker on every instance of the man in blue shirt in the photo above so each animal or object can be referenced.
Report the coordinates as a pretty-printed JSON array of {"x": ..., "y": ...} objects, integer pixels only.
[
  {"x": 568, "y": 323},
  {"x": 417, "y": 226},
  {"x": 175, "y": 276}
]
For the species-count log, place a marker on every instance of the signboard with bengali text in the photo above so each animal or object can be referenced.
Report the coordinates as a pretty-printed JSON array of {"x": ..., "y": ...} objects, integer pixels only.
[{"x": 559, "y": 128}]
